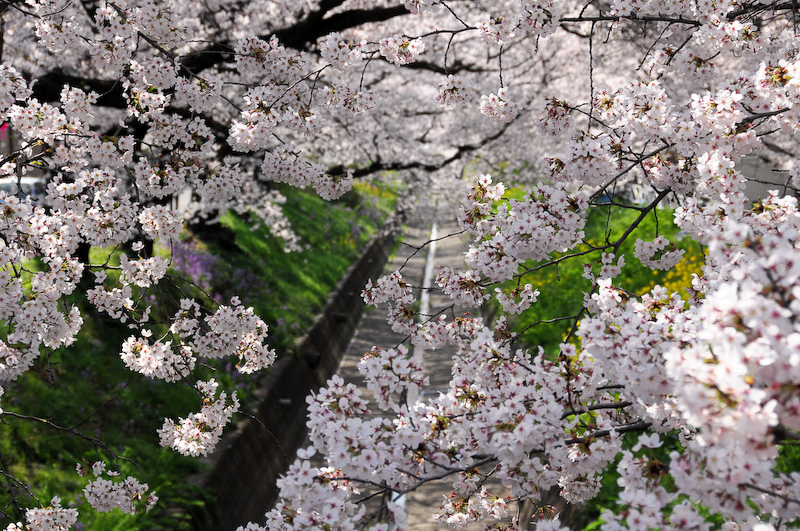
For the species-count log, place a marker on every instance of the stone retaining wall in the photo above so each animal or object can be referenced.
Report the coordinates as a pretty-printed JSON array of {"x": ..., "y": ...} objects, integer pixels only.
[{"x": 248, "y": 462}]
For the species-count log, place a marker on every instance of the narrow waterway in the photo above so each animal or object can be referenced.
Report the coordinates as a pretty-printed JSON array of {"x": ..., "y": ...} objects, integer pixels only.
[{"x": 433, "y": 220}]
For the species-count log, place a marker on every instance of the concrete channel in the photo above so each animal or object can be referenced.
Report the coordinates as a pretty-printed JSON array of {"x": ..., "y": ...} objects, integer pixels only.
[
  {"x": 246, "y": 467},
  {"x": 433, "y": 220}
]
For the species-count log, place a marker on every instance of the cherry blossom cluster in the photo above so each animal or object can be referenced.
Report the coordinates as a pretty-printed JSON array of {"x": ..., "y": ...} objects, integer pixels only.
[
  {"x": 330, "y": 186},
  {"x": 726, "y": 405},
  {"x": 643, "y": 106},
  {"x": 129, "y": 104},
  {"x": 37, "y": 119},
  {"x": 257, "y": 57},
  {"x": 622, "y": 341},
  {"x": 160, "y": 181},
  {"x": 547, "y": 220},
  {"x": 199, "y": 433},
  {"x": 401, "y": 50},
  {"x": 235, "y": 331},
  {"x": 645, "y": 498},
  {"x": 13, "y": 87},
  {"x": 781, "y": 80},
  {"x": 159, "y": 360},
  {"x": 609, "y": 349},
  {"x": 591, "y": 159},
  {"x": 271, "y": 214},
  {"x": 314, "y": 503},
  {"x": 526, "y": 294},
  {"x": 435, "y": 333},
  {"x": 339, "y": 53},
  {"x": 499, "y": 107},
  {"x": 607, "y": 269},
  {"x": 541, "y": 18},
  {"x": 454, "y": 93},
  {"x": 201, "y": 94},
  {"x": 464, "y": 287},
  {"x": 421, "y": 6},
  {"x": 390, "y": 371},
  {"x": 499, "y": 30},
  {"x": 115, "y": 301},
  {"x": 268, "y": 106},
  {"x": 748, "y": 412},
  {"x": 144, "y": 272},
  {"x": 159, "y": 222},
  {"x": 662, "y": 173},
  {"x": 340, "y": 405},
  {"x": 104, "y": 495},
  {"x": 337, "y": 427},
  {"x": 51, "y": 518},
  {"x": 282, "y": 100},
  {"x": 344, "y": 97},
  {"x": 477, "y": 205},
  {"x": 557, "y": 119},
  {"x": 654, "y": 255},
  {"x": 457, "y": 511},
  {"x": 285, "y": 166},
  {"x": 387, "y": 288}
]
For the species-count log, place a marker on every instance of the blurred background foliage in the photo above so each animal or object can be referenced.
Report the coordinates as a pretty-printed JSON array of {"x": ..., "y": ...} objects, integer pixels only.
[{"x": 86, "y": 388}]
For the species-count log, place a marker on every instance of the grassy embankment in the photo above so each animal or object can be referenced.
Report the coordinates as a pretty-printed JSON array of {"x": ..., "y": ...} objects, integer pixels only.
[
  {"x": 88, "y": 388},
  {"x": 562, "y": 287},
  {"x": 562, "y": 291}
]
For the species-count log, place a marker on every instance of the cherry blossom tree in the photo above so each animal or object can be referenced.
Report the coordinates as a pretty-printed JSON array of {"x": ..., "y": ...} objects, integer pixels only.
[{"x": 124, "y": 105}]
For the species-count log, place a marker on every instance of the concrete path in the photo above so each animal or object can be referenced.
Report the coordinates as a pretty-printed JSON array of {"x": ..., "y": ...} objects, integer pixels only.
[{"x": 374, "y": 330}]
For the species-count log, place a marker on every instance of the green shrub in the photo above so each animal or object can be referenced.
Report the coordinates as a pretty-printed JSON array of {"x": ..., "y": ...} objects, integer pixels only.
[{"x": 562, "y": 285}]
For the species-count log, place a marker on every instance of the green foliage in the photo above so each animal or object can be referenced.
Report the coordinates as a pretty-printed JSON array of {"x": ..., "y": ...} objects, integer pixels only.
[
  {"x": 298, "y": 284},
  {"x": 87, "y": 386},
  {"x": 562, "y": 286},
  {"x": 86, "y": 389},
  {"x": 789, "y": 458}
]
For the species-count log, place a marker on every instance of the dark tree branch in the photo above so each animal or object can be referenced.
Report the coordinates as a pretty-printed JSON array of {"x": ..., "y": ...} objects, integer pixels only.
[
  {"x": 595, "y": 407},
  {"x": 378, "y": 165},
  {"x": 48, "y": 88},
  {"x": 307, "y": 31},
  {"x": 609, "y": 18},
  {"x": 299, "y": 36},
  {"x": 758, "y": 7},
  {"x": 636, "y": 426}
]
